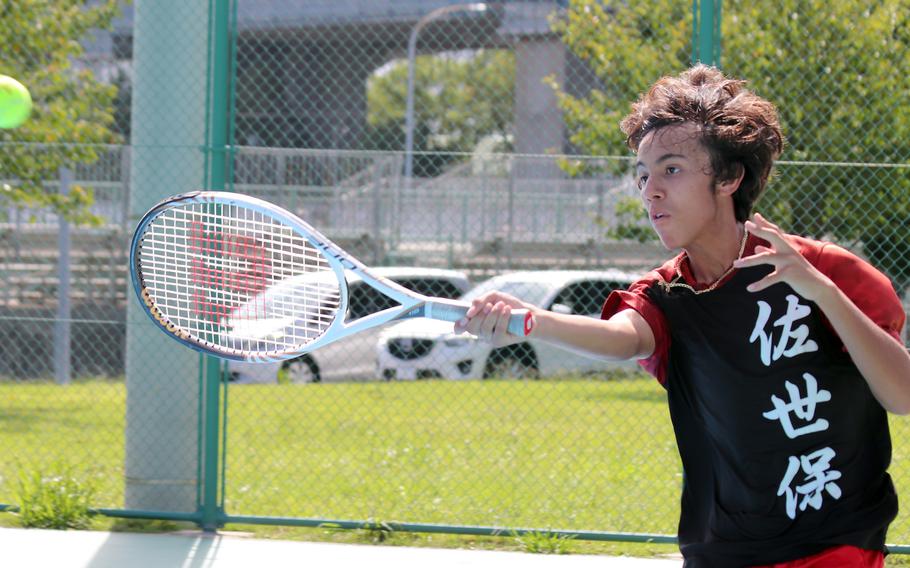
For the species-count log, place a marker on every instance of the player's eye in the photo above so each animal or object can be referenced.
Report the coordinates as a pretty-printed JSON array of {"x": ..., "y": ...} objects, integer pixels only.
[
  {"x": 672, "y": 170},
  {"x": 641, "y": 180}
]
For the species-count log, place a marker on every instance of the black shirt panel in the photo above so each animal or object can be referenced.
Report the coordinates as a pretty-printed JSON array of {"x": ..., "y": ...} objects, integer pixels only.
[{"x": 785, "y": 449}]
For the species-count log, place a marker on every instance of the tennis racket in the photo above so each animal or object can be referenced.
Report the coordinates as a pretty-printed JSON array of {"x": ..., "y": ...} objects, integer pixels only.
[{"x": 243, "y": 279}]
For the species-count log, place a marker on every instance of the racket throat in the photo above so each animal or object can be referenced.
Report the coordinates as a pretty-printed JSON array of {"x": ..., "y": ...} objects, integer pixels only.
[{"x": 438, "y": 309}]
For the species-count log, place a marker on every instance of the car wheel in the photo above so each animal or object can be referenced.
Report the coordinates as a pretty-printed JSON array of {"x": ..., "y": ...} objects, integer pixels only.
[
  {"x": 301, "y": 370},
  {"x": 513, "y": 362}
]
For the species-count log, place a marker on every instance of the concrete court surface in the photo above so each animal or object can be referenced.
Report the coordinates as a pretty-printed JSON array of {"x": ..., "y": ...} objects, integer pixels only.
[{"x": 33, "y": 548}]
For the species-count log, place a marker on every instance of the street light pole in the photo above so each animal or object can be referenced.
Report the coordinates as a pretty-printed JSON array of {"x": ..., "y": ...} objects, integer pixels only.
[{"x": 412, "y": 53}]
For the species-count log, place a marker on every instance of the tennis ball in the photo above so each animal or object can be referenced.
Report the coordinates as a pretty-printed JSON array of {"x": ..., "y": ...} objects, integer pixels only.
[{"x": 15, "y": 102}]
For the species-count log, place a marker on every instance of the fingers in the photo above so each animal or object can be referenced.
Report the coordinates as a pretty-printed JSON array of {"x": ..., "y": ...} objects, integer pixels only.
[
  {"x": 474, "y": 317},
  {"x": 762, "y": 228},
  {"x": 758, "y": 225},
  {"x": 766, "y": 257},
  {"x": 766, "y": 282},
  {"x": 488, "y": 318},
  {"x": 499, "y": 332},
  {"x": 479, "y": 307},
  {"x": 789, "y": 265},
  {"x": 759, "y": 222},
  {"x": 780, "y": 251}
]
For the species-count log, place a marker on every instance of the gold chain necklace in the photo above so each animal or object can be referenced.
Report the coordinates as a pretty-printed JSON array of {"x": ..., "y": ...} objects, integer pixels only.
[{"x": 678, "y": 282}]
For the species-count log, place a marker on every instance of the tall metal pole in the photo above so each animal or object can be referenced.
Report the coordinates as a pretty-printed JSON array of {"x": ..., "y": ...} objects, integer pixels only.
[
  {"x": 706, "y": 31},
  {"x": 219, "y": 84},
  {"x": 412, "y": 54},
  {"x": 162, "y": 378},
  {"x": 62, "y": 325}
]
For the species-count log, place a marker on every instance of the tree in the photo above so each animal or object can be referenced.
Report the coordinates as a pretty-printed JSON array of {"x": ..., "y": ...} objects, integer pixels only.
[
  {"x": 627, "y": 45},
  {"x": 837, "y": 73},
  {"x": 458, "y": 100},
  {"x": 73, "y": 111}
]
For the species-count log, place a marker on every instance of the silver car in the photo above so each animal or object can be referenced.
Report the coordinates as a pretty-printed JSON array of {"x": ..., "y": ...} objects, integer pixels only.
[{"x": 353, "y": 358}]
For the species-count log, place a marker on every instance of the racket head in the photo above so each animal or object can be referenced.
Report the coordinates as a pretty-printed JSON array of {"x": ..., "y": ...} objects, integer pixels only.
[{"x": 237, "y": 277}]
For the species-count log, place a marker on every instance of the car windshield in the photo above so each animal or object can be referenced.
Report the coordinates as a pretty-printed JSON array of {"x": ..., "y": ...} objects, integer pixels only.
[
  {"x": 532, "y": 292},
  {"x": 283, "y": 297}
]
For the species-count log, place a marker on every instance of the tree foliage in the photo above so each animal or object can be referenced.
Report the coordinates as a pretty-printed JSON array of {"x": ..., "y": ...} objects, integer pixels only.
[
  {"x": 458, "y": 100},
  {"x": 837, "y": 71},
  {"x": 73, "y": 110}
]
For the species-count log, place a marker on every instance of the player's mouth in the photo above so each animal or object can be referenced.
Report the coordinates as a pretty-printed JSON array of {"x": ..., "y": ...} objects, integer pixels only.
[{"x": 657, "y": 216}]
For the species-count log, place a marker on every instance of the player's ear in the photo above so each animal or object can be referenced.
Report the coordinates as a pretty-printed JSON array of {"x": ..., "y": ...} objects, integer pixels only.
[{"x": 730, "y": 184}]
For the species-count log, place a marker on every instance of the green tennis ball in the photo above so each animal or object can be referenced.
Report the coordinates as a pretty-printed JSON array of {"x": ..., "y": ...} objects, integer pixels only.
[{"x": 15, "y": 102}]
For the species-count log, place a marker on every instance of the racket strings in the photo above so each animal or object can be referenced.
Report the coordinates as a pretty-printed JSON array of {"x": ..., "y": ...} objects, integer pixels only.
[{"x": 236, "y": 278}]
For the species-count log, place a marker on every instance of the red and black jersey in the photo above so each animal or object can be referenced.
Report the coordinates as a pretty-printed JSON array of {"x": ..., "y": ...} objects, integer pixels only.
[
  {"x": 784, "y": 447},
  {"x": 868, "y": 288}
]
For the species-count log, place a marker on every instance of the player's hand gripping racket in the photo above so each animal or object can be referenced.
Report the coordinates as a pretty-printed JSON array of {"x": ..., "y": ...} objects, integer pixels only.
[{"x": 243, "y": 279}]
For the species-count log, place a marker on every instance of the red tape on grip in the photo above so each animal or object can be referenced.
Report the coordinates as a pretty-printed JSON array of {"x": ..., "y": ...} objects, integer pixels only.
[{"x": 529, "y": 323}]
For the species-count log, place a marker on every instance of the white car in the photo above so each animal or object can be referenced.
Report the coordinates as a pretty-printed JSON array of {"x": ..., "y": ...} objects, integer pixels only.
[
  {"x": 352, "y": 358},
  {"x": 423, "y": 348}
]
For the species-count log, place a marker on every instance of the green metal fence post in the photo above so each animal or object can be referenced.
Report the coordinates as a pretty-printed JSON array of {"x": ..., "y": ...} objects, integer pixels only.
[
  {"x": 211, "y": 503},
  {"x": 168, "y": 133},
  {"x": 706, "y": 31}
]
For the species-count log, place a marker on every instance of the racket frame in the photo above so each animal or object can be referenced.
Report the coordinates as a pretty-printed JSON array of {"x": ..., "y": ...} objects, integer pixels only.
[{"x": 411, "y": 303}]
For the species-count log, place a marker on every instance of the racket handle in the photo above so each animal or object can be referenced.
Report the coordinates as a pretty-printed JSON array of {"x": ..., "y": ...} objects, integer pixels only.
[{"x": 521, "y": 322}]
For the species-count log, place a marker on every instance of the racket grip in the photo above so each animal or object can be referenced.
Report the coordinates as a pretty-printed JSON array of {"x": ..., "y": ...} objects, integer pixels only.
[{"x": 521, "y": 322}]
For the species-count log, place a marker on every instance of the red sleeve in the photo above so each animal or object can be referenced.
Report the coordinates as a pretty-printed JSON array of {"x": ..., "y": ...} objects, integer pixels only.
[
  {"x": 636, "y": 298},
  {"x": 870, "y": 290}
]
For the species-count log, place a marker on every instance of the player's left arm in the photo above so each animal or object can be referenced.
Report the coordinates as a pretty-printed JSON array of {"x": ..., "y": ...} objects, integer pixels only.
[{"x": 884, "y": 362}]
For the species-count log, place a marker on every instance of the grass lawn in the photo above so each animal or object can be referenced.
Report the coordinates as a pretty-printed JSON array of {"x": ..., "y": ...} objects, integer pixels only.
[{"x": 573, "y": 454}]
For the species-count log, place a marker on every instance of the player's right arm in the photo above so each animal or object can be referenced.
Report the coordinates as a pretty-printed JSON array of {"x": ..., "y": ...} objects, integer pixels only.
[{"x": 625, "y": 335}]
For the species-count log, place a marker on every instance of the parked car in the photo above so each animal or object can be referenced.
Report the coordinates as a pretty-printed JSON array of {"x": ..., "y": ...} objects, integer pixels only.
[
  {"x": 423, "y": 348},
  {"x": 354, "y": 357}
]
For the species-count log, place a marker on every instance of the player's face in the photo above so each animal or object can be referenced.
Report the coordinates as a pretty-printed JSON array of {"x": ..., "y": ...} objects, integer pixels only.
[{"x": 677, "y": 187}]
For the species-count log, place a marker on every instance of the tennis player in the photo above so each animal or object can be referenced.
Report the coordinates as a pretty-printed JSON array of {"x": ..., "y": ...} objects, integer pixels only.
[{"x": 781, "y": 355}]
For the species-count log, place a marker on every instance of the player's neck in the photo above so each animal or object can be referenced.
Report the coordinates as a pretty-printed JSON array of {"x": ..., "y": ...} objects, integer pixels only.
[{"x": 711, "y": 261}]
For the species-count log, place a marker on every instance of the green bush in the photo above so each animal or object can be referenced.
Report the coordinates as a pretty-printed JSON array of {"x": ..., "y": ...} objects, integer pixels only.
[
  {"x": 537, "y": 542},
  {"x": 54, "y": 500}
]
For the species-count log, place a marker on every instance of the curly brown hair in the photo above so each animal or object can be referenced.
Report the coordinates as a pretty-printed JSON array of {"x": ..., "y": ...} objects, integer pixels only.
[{"x": 739, "y": 129}]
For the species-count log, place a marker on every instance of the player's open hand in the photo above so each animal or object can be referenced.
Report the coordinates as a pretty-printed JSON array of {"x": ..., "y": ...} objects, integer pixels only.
[
  {"x": 789, "y": 265},
  {"x": 488, "y": 318}
]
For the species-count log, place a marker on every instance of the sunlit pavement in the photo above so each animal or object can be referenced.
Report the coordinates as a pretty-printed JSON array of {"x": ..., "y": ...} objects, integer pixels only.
[{"x": 33, "y": 548}]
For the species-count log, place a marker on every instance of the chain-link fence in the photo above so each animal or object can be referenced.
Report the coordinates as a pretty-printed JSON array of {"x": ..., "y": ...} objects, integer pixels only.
[{"x": 447, "y": 143}]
